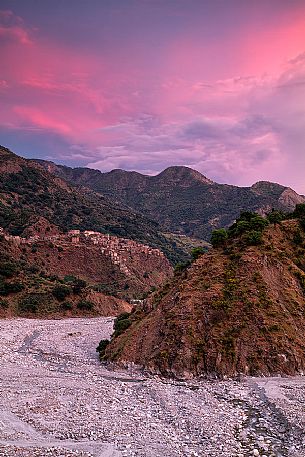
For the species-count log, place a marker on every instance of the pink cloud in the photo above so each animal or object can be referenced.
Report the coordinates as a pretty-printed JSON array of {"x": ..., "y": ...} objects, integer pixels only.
[
  {"x": 211, "y": 106},
  {"x": 12, "y": 28},
  {"x": 41, "y": 119}
]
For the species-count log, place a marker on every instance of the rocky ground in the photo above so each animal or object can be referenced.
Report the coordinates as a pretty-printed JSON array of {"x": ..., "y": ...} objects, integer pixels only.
[{"x": 57, "y": 400}]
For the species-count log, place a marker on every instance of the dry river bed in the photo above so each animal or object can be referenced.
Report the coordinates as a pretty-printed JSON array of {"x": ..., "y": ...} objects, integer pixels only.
[{"x": 57, "y": 400}]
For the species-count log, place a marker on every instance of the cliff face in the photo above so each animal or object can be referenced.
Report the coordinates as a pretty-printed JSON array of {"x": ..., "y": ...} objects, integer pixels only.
[{"x": 235, "y": 310}]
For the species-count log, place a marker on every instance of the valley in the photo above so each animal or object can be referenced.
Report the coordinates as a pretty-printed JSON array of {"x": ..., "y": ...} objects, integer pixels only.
[{"x": 57, "y": 400}]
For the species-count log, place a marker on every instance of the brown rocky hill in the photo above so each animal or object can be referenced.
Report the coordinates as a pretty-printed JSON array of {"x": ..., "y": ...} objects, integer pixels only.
[
  {"x": 28, "y": 291},
  {"x": 31, "y": 196},
  {"x": 238, "y": 309},
  {"x": 180, "y": 199},
  {"x": 112, "y": 265}
]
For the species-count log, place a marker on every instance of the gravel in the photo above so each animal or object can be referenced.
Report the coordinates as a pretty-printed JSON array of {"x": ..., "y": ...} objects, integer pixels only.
[{"x": 56, "y": 399}]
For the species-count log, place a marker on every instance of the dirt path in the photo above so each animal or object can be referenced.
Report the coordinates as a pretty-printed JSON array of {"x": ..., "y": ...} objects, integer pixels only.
[{"x": 57, "y": 400}]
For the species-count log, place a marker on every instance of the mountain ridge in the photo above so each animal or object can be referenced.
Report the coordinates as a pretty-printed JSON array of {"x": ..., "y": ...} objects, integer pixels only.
[
  {"x": 181, "y": 199},
  {"x": 28, "y": 192}
]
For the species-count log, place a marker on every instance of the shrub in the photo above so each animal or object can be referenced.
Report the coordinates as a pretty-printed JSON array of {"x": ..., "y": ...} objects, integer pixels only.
[
  {"x": 258, "y": 223},
  {"x": 241, "y": 227},
  {"x": 8, "y": 269},
  {"x": 29, "y": 304},
  {"x": 67, "y": 306},
  {"x": 197, "y": 252},
  {"x": 246, "y": 216},
  {"x": 7, "y": 288},
  {"x": 53, "y": 278},
  {"x": 85, "y": 305},
  {"x": 69, "y": 278},
  {"x": 298, "y": 239},
  {"x": 302, "y": 223},
  {"x": 253, "y": 238},
  {"x": 102, "y": 347},
  {"x": 33, "y": 269},
  {"x": 4, "y": 304},
  {"x": 121, "y": 323},
  {"x": 61, "y": 292},
  {"x": 275, "y": 216},
  {"x": 247, "y": 222},
  {"x": 299, "y": 211},
  {"x": 219, "y": 237},
  {"x": 79, "y": 285},
  {"x": 181, "y": 266}
]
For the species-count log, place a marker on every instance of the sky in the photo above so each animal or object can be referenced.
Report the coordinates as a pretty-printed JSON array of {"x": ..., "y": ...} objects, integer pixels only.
[{"x": 216, "y": 85}]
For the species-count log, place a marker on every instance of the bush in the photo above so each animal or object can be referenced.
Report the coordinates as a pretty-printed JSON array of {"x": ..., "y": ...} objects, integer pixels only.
[
  {"x": 298, "y": 239},
  {"x": 241, "y": 227},
  {"x": 29, "y": 304},
  {"x": 61, "y": 292},
  {"x": 197, "y": 252},
  {"x": 4, "y": 304},
  {"x": 67, "y": 306},
  {"x": 102, "y": 347},
  {"x": 33, "y": 269},
  {"x": 69, "y": 278},
  {"x": 299, "y": 211},
  {"x": 85, "y": 305},
  {"x": 79, "y": 285},
  {"x": 275, "y": 216},
  {"x": 254, "y": 238},
  {"x": 8, "y": 269},
  {"x": 181, "y": 266},
  {"x": 219, "y": 237},
  {"x": 258, "y": 223},
  {"x": 121, "y": 323},
  {"x": 7, "y": 288},
  {"x": 302, "y": 223},
  {"x": 247, "y": 222}
]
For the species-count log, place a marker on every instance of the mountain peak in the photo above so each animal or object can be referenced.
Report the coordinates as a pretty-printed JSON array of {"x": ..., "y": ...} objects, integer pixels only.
[{"x": 179, "y": 172}]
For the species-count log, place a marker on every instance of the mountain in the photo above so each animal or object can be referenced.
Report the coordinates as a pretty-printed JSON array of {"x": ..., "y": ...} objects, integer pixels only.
[
  {"x": 180, "y": 199},
  {"x": 30, "y": 197},
  {"x": 239, "y": 308}
]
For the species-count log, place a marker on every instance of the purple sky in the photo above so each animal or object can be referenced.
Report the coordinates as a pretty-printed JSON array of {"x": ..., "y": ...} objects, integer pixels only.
[{"x": 217, "y": 85}]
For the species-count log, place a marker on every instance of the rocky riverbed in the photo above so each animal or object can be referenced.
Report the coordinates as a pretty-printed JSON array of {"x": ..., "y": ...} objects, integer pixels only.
[{"x": 57, "y": 400}]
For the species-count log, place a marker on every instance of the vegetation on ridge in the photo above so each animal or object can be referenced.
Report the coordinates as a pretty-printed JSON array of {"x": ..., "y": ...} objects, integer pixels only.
[{"x": 240, "y": 308}]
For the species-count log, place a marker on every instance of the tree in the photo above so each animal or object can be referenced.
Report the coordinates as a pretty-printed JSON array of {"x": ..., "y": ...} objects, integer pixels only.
[
  {"x": 254, "y": 237},
  {"x": 219, "y": 237},
  {"x": 85, "y": 305},
  {"x": 274, "y": 217},
  {"x": 102, "y": 348},
  {"x": 299, "y": 211},
  {"x": 197, "y": 252},
  {"x": 79, "y": 285},
  {"x": 61, "y": 292}
]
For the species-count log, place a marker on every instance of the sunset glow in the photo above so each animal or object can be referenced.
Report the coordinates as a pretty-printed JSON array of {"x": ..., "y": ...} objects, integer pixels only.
[{"x": 144, "y": 84}]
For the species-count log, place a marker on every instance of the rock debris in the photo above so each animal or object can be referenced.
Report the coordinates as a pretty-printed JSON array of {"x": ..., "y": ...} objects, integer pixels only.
[{"x": 56, "y": 399}]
